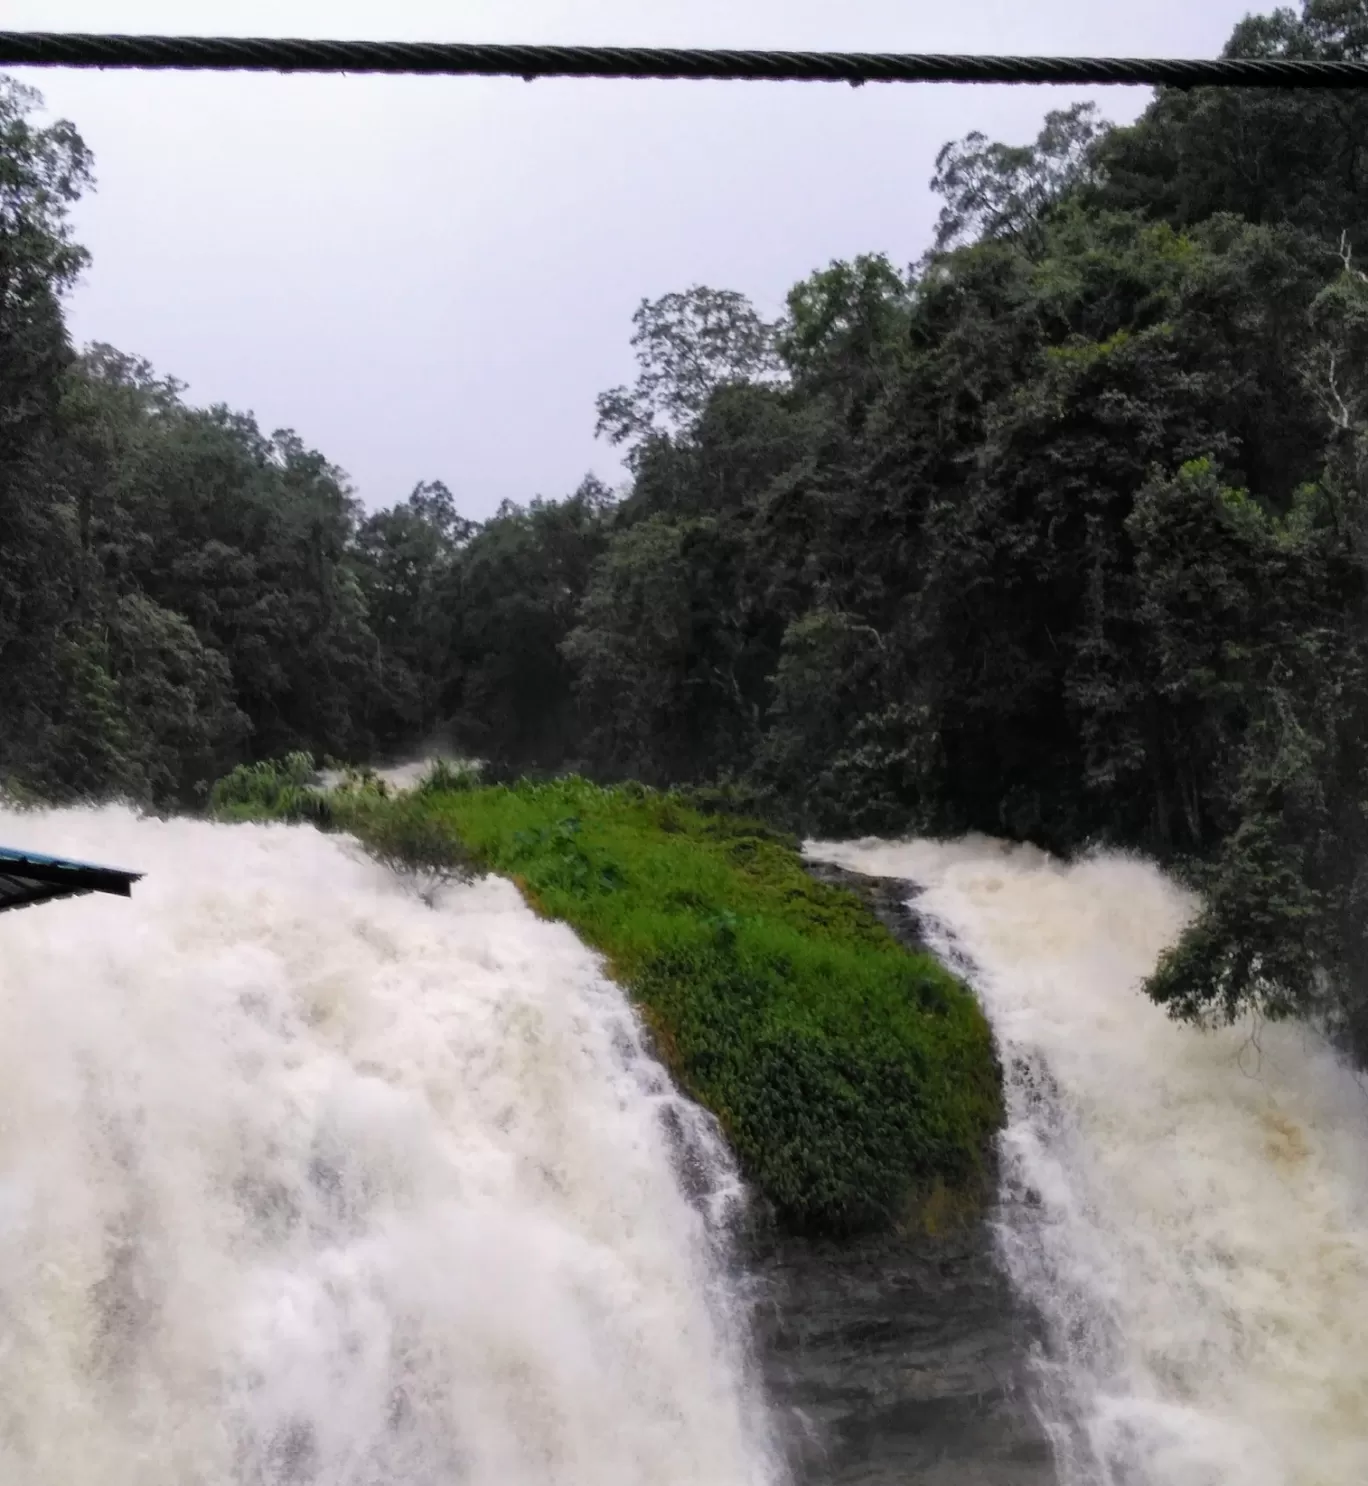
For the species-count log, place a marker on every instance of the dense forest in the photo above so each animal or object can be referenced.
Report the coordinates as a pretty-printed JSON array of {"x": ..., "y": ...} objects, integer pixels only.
[{"x": 1059, "y": 533}]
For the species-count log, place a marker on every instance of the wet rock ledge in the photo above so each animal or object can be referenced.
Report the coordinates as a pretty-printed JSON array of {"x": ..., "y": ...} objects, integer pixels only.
[{"x": 897, "y": 1361}]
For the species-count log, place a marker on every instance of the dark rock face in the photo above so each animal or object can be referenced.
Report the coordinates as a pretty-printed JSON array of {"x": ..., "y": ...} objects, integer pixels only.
[
  {"x": 897, "y": 1361},
  {"x": 889, "y": 898}
]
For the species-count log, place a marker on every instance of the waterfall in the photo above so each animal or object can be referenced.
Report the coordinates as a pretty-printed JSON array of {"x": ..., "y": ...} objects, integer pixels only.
[
  {"x": 1186, "y": 1211},
  {"x": 304, "y": 1183}
]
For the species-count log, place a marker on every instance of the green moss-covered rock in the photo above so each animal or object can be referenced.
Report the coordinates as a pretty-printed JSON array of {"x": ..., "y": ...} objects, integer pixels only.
[{"x": 854, "y": 1079}]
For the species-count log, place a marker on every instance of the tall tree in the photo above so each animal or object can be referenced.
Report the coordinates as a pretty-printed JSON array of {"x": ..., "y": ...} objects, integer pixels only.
[
  {"x": 687, "y": 345},
  {"x": 1268, "y": 155},
  {"x": 406, "y": 555},
  {"x": 992, "y": 190}
]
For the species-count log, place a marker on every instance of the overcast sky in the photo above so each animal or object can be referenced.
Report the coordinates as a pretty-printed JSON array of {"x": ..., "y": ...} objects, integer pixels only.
[{"x": 431, "y": 278}]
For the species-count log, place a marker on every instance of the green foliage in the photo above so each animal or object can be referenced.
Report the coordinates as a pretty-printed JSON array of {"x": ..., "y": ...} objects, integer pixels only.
[
  {"x": 273, "y": 789},
  {"x": 406, "y": 559},
  {"x": 446, "y": 777},
  {"x": 853, "y": 1078},
  {"x": 850, "y": 1075},
  {"x": 1265, "y": 154},
  {"x": 1061, "y": 533},
  {"x": 1253, "y": 943},
  {"x": 43, "y": 172},
  {"x": 507, "y": 690},
  {"x": 688, "y": 345},
  {"x": 404, "y": 834},
  {"x": 844, "y": 333},
  {"x": 996, "y": 190},
  {"x": 830, "y": 669}
]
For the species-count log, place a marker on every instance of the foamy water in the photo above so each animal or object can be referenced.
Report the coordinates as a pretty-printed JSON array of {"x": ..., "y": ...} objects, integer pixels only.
[
  {"x": 1189, "y": 1211},
  {"x": 304, "y": 1182}
]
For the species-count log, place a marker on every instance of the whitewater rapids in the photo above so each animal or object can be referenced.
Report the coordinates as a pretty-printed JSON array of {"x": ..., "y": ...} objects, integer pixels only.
[
  {"x": 1186, "y": 1211},
  {"x": 304, "y": 1183}
]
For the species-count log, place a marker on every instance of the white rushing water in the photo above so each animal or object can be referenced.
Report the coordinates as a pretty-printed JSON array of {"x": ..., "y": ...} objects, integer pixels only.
[
  {"x": 1188, "y": 1211},
  {"x": 303, "y": 1183}
]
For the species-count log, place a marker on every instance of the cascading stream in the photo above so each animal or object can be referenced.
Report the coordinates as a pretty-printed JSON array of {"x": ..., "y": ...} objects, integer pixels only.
[
  {"x": 1187, "y": 1211},
  {"x": 303, "y": 1183}
]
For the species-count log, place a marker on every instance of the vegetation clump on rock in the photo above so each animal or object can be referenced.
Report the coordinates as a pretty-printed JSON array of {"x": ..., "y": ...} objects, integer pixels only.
[{"x": 856, "y": 1081}]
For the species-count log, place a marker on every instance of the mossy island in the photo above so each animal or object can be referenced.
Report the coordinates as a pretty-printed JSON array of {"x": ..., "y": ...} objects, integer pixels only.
[{"x": 855, "y": 1079}]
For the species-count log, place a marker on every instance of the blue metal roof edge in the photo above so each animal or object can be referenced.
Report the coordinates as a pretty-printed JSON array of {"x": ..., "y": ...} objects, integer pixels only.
[{"x": 34, "y": 877}]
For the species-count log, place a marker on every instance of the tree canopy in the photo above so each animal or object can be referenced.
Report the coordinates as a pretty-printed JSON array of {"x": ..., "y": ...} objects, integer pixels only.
[{"x": 1057, "y": 533}]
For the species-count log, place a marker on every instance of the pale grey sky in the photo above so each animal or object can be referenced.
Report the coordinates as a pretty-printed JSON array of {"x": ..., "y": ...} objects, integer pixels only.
[{"x": 432, "y": 278}]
